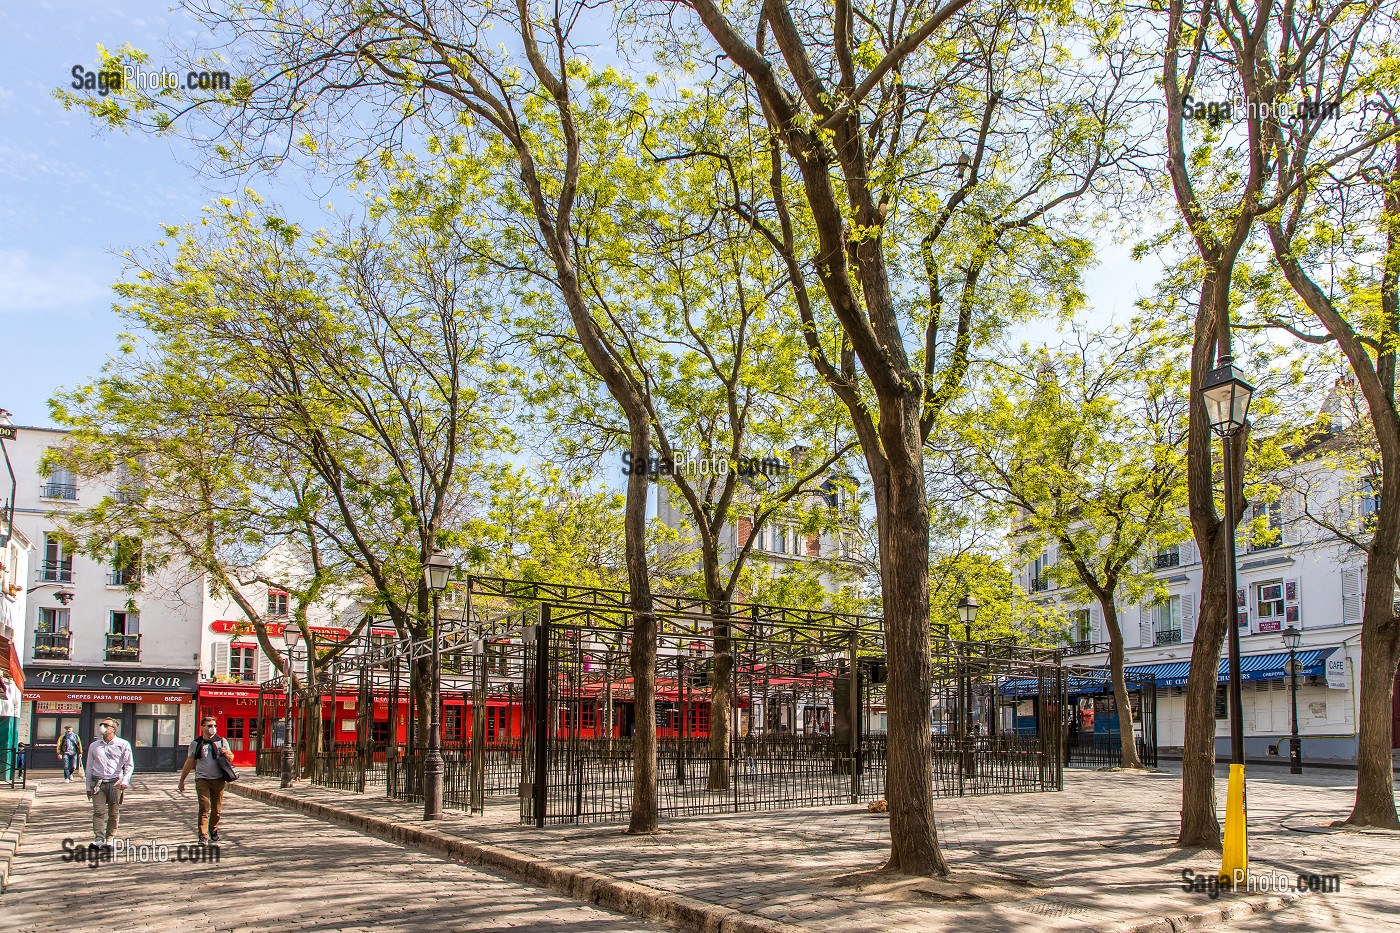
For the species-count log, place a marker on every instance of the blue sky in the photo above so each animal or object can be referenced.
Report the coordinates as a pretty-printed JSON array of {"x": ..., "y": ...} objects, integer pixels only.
[{"x": 72, "y": 196}]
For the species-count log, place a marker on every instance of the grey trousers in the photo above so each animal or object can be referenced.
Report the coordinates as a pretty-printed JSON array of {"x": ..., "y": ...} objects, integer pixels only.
[{"x": 106, "y": 809}]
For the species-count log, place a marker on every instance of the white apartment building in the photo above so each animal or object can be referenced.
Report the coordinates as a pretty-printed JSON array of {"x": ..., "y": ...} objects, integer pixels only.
[
  {"x": 1300, "y": 576},
  {"x": 102, "y": 637},
  {"x": 781, "y": 543}
]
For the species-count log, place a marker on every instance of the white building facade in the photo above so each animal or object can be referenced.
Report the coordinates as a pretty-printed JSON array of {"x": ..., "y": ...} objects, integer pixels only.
[
  {"x": 1295, "y": 575},
  {"x": 102, "y": 637}
]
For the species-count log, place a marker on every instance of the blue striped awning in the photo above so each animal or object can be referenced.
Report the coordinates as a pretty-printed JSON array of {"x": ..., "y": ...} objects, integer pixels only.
[{"x": 1273, "y": 666}]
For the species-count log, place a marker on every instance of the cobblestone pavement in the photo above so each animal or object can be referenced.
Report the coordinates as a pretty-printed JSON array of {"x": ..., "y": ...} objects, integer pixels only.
[
  {"x": 277, "y": 871},
  {"x": 1101, "y": 853}
]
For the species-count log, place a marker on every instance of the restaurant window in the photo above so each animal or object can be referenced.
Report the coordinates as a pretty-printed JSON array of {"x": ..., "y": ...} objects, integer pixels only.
[
  {"x": 277, "y": 604},
  {"x": 242, "y": 662}
]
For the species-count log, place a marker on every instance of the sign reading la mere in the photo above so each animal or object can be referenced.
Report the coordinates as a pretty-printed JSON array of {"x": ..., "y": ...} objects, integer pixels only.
[{"x": 274, "y": 629}]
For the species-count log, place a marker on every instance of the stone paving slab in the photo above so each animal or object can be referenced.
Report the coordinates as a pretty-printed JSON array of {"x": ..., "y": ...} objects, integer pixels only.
[
  {"x": 1100, "y": 852},
  {"x": 277, "y": 871},
  {"x": 15, "y": 803}
]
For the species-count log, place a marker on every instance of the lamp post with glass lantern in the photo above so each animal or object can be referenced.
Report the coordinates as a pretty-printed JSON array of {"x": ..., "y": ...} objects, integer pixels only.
[
  {"x": 291, "y": 636},
  {"x": 1291, "y": 638},
  {"x": 1226, "y": 396},
  {"x": 435, "y": 573}
]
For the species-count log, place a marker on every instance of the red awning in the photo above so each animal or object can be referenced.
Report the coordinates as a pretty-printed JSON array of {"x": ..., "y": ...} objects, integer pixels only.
[{"x": 10, "y": 658}]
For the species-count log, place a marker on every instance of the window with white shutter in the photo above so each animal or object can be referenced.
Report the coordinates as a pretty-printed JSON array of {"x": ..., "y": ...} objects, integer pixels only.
[
  {"x": 264, "y": 667},
  {"x": 1096, "y": 631},
  {"x": 1292, "y": 603},
  {"x": 1353, "y": 590},
  {"x": 220, "y": 659},
  {"x": 1242, "y": 607},
  {"x": 1145, "y": 625},
  {"x": 1188, "y": 617},
  {"x": 1189, "y": 555}
]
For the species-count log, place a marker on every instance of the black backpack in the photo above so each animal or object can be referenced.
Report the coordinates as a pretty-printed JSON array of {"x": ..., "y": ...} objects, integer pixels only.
[{"x": 225, "y": 766}]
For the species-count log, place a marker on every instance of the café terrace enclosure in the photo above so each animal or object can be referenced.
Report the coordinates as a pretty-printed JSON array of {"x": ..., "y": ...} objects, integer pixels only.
[{"x": 547, "y": 666}]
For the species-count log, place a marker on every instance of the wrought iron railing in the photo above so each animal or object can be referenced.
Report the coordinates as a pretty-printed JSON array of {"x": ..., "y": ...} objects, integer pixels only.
[
  {"x": 52, "y": 644},
  {"x": 127, "y": 576},
  {"x": 56, "y": 571},
  {"x": 1168, "y": 559},
  {"x": 123, "y": 647},
  {"x": 59, "y": 491},
  {"x": 1169, "y": 637}
]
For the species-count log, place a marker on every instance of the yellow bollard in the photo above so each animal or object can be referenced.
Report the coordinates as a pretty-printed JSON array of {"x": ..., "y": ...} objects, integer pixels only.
[{"x": 1234, "y": 862}]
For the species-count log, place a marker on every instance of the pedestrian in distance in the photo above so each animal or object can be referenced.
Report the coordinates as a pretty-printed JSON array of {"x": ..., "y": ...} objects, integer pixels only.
[
  {"x": 70, "y": 752},
  {"x": 109, "y": 768},
  {"x": 210, "y": 776}
]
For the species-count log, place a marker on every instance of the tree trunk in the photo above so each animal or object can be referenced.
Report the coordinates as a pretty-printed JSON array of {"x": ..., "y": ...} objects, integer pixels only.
[
  {"x": 904, "y": 537},
  {"x": 721, "y": 696},
  {"x": 645, "y": 817},
  {"x": 1200, "y": 824},
  {"x": 1380, "y": 650},
  {"x": 1128, "y": 754}
]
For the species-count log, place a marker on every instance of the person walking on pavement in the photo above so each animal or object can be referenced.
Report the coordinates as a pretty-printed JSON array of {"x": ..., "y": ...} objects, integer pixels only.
[
  {"x": 70, "y": 752},
  {"x": 209, "y": 778},
  {"x": 109, "y": 768}
]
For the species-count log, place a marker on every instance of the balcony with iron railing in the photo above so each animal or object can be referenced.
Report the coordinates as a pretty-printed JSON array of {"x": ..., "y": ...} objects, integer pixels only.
[
  {"x": 68, "y": 491},
  {"x": 1167, "y": 559},
  {"x": 124, "y": 576},
  {"x": 53, "y": 645},
  {"x": 123, "y": 647},
  {"x": 1083, "y": 647},
  {"x": 1168, "y": 637},
  {"x": 56, "y": 571},
  {"x": 1040, "y": 584}
]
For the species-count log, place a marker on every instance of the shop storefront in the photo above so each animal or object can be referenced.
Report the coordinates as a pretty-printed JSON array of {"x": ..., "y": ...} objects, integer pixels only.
[{"x": 154, "y": 709}]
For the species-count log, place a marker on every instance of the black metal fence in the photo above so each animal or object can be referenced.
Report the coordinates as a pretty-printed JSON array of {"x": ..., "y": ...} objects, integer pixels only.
[{"x": 760, "y": 708}]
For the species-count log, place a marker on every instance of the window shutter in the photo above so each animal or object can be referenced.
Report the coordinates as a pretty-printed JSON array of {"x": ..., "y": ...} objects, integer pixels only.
[
  {"x": 1096, "y": 632},
  {"x": 221, "y": 652},
  {"x": 1188, "y": 618},
  {"x": 1188, "y": 552},
  {"x": 1144, "y": 625},
  {"x": 1292, "y": 603},
  {"x": 264, "y": 667},
  {"x": 1351, "y": 594},
  {"x": 1242, "y": 607},
  {"x": 1290, "y": 508}
]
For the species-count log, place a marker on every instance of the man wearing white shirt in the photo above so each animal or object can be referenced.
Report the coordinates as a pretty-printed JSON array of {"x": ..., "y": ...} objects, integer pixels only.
[{"x": 109, "y": 768}]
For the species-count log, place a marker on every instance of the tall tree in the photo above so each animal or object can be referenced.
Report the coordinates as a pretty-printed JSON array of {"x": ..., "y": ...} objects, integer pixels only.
[
  {"x": 1335, "y": 159},
  {"x": 355, "y": 84},
  {"x": 951, "y": 156},
  {"x": 1225, "y": 174},
  {"x": 1084, "y": 449},
  {"x": 332, "y": 388}
]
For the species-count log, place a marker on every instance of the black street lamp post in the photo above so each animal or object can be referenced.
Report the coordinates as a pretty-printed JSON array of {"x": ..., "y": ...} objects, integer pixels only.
[
  {"x": 1291, "y": 638},
  {"x": 435, "y": 573},
  {"x": 291, "y": 635},
  {"x": 1226, "y": 396}
]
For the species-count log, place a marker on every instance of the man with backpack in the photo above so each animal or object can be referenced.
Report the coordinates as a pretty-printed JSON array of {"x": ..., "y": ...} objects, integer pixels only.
[
  {"x": 70, "y": 752},
  {"x": 211, "y": 760}
]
